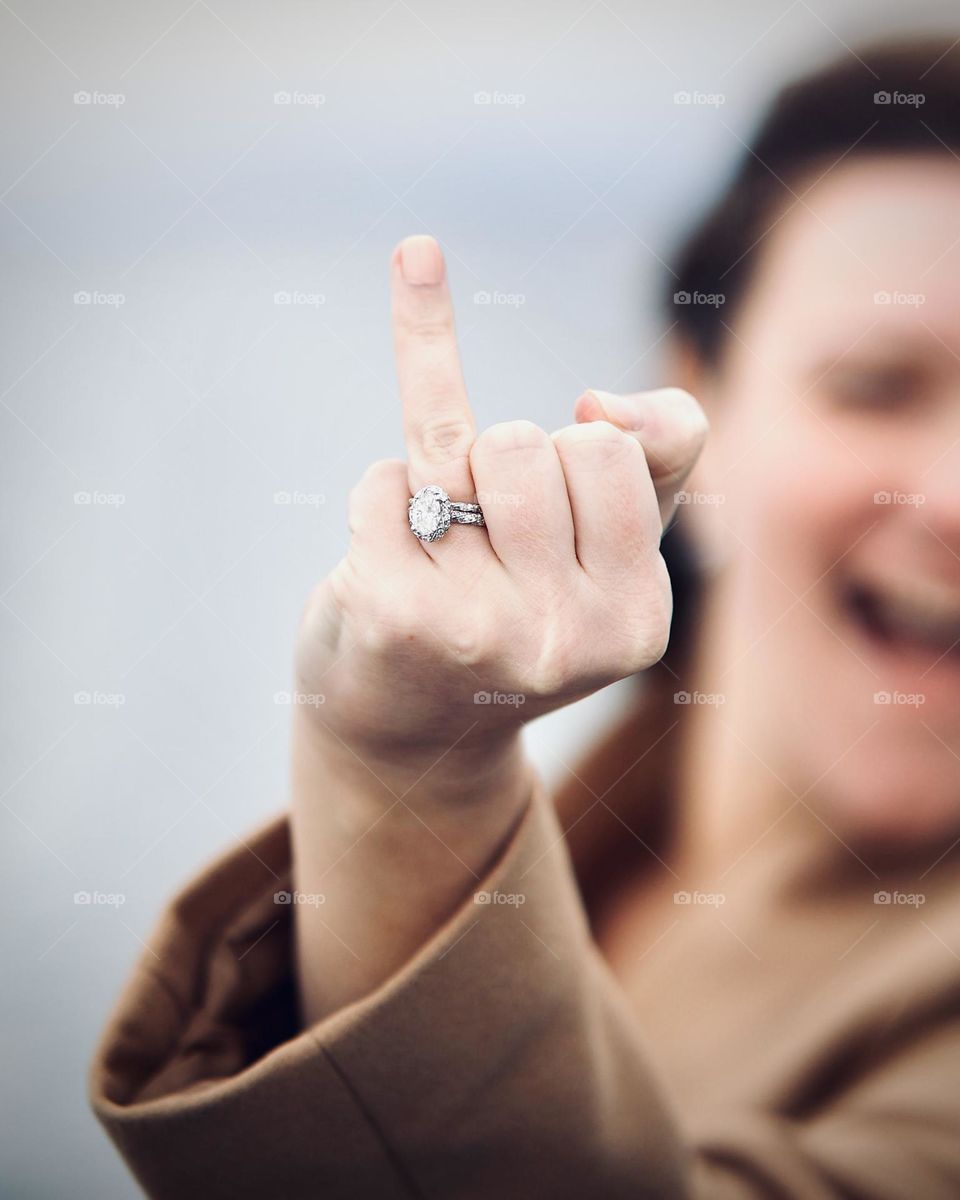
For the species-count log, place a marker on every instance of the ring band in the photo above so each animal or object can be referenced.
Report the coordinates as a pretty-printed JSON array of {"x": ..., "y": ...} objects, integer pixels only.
[{"x": 431, "y": 512}]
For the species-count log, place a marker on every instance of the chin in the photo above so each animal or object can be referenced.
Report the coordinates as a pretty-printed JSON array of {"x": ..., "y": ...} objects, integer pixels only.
[{"x": 893, "y": 801}]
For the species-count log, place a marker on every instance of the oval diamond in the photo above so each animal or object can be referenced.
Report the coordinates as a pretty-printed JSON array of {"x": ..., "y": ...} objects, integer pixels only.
[{"x": 429, "y": 513}]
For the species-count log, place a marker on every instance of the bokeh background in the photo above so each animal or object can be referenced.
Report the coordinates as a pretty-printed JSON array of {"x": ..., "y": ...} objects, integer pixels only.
[{"x": 197, "y": 205}]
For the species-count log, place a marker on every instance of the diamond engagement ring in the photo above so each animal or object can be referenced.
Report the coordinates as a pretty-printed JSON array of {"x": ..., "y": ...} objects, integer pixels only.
[{"x": 432, "y": 512}]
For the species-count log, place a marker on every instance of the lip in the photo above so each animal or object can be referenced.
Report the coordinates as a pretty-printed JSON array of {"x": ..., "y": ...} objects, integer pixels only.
[{"x": 906, "y": 653}]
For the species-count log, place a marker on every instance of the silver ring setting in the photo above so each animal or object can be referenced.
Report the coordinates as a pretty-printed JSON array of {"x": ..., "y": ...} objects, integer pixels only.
[{"x": 431, "y": 512}]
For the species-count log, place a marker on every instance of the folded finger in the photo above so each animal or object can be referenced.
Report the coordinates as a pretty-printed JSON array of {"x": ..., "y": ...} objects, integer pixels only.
[
  {"x": 615, "y": 516},
  {"x": 669, "y": 424},
  {"x": 523, "y": 493}
]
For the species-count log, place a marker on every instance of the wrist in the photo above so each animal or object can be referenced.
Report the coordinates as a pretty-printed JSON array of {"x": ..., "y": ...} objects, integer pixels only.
[{"x": 460, "y": 774}]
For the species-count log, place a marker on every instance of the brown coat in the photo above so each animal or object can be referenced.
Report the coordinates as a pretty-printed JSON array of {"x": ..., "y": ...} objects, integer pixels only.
[{"x": 800, "y": 1041}]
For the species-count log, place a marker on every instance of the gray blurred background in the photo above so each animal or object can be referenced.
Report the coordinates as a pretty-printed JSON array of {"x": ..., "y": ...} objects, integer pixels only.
[{"x": 198, "y": 205}]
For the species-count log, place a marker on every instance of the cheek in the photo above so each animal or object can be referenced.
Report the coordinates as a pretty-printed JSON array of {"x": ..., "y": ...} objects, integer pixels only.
[
  {"x": 796, "y": 505},
  {"x": 796, "y": 501}
]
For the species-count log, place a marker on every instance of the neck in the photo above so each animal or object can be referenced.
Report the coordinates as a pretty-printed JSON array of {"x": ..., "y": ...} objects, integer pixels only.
[{"x": 729, "y": 784}]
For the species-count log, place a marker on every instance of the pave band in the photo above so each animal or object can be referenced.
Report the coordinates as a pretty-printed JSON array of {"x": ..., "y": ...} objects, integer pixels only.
[{"x": 431, "y": 512}]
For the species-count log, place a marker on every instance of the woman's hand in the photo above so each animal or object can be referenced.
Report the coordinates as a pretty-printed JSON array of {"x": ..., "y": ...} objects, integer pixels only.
[
  {"x": 421, "y": 649},
  {"x": 409, "y": 778}
]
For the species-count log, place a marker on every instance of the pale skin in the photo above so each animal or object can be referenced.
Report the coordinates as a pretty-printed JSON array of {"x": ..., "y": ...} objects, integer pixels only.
[{"x": 404, "y": 788}]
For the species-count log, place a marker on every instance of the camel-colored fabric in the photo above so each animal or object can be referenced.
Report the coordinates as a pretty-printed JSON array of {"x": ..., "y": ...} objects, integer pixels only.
[{"x": 796, "y": 1041}]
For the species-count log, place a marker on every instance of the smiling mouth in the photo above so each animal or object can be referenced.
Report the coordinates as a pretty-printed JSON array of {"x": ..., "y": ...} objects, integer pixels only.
[{"x": 907, "y": 615}]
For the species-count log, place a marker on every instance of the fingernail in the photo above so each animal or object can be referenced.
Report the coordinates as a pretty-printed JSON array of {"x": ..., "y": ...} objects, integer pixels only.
[
  {"x": 629, "y": 412},
  {"x": 421, "y": 261}
]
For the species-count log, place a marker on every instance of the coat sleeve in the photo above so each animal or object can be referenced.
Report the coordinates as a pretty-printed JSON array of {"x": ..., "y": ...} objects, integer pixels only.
[{"x": 501, "y": 1061}]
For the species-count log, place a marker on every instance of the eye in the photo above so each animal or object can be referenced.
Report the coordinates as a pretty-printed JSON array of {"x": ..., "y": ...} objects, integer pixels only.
[{"x": 879, "y": 387}]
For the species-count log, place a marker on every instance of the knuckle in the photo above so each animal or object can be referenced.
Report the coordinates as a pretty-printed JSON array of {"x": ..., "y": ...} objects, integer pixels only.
[
  {"x": 430, "y": 328},
  {"x": 445, "y": 437},
  {"x": 376, "y": 478},
  {"x": 678, "y": 397},
  {"x": 383, "y": 470},
  {"x": 687, "y": 410},
  {"x": 601, "y": 448},
  {"x": 508, "y": 436},
  {"x": 597, "y": 440}
]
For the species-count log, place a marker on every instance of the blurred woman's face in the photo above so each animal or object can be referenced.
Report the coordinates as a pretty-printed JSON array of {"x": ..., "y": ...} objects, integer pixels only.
[{"x": 836, "y": 445}]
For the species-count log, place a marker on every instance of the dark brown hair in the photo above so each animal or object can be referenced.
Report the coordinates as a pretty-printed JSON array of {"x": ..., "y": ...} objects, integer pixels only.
[{"x": 888, "y": 98}]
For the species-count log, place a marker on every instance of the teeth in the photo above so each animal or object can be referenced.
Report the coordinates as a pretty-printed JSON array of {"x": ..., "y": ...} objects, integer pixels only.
[{"x": 921, "y": 611}]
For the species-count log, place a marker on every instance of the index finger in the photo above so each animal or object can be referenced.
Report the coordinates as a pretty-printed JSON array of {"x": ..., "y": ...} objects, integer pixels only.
[{"x": 437, "y": 421}]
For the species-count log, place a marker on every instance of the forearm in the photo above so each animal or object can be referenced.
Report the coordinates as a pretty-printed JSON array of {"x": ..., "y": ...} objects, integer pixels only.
[{"x": 384, "y": 852}]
